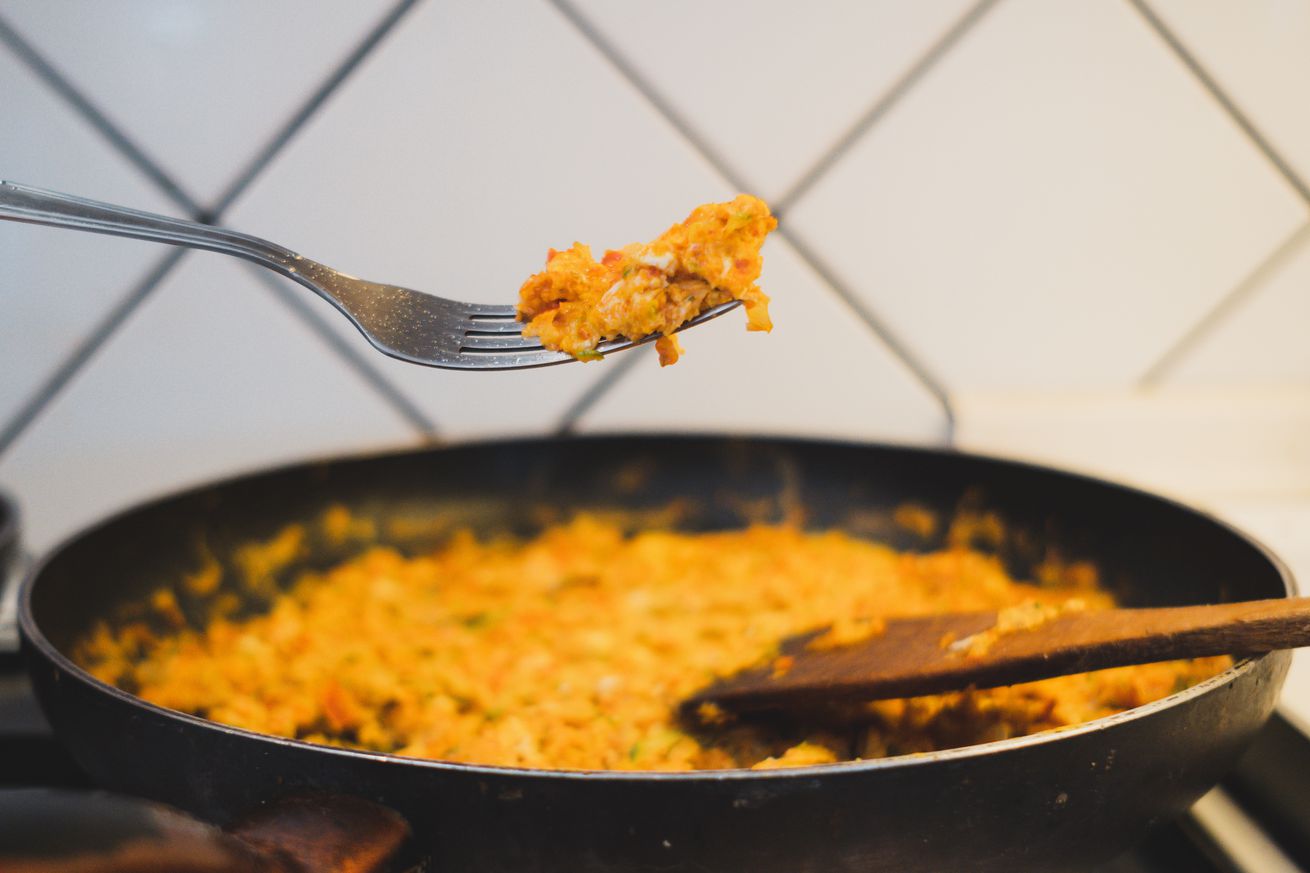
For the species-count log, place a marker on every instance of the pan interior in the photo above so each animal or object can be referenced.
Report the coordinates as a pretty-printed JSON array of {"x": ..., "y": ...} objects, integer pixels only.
[{"x": 1149, "y": 551}]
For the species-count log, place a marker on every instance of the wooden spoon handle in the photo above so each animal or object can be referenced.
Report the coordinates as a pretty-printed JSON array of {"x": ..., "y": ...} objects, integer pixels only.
[
  {"x": 933, "y": 654},
  {"x": 1114, "y": 637}
]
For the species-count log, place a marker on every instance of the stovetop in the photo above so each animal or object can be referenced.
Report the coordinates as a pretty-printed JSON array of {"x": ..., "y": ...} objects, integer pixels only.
[{"x": 1257, "y": 822}]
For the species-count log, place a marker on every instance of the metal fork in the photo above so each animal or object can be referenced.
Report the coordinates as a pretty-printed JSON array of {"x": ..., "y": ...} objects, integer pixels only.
[{"x": 400, "y": 322}]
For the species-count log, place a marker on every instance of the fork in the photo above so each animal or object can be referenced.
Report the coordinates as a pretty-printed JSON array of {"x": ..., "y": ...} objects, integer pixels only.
[{"x": 401, "y": 322}]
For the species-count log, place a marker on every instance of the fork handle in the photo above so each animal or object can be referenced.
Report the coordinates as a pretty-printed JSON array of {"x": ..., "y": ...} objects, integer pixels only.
[{"x": 39, "y": 206}]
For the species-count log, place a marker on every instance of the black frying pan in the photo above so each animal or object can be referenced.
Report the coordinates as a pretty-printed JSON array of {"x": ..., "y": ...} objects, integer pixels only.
[{"x": 1062, "y": 800}]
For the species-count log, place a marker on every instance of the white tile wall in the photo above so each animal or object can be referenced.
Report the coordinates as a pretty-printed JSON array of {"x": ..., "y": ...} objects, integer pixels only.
[
  {"x": 1044, "y": 210},
  {"x": 1257, "y": 52},
  {"x": 210, "y": 376},
  {"x": 199, "y": 86},
  {"x": 1049, "y": 206},
  {"x": 1264, "y": 339},
  {"x": 794, "y": 75},
  {"x": 55, "y": 285},
  {"x": 458, "y": 185},
  {"x": 528, "y": 182},
  {"x": 1198, "y": 443}
]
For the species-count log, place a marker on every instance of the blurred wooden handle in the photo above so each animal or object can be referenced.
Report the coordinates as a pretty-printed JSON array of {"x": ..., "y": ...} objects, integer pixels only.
[
  {"x": 327, "y": 833},
  {"x": 47, "y": 831}
]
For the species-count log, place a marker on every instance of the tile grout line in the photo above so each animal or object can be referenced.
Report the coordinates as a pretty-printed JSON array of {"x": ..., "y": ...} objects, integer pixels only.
[
  {"x": 294, "y": 299},
  {"x": 85, "y": 350},
  {"x": 104, "y": 330},
  {"x": 311, "y": 106},
  {"x": 614, "y": 372},
  {"x": 132, "y": 152},
  {"x": 1221, "y": 97},
  {"x": 885, "y": 103},
  {"x": 1209, "y": 321},
  {"x": 372, "y": 376},
  {"x": 634, "y": 78},
  {"x": 652, "y": 95},
  {"x": 930, "y": 382}
]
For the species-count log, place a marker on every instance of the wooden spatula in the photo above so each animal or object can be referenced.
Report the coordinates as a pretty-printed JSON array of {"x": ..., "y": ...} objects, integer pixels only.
[{"x": 950, "y": 652}]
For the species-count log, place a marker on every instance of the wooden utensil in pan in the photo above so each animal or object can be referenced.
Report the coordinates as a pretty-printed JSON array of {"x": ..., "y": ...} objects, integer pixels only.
[{"x": 907, "y": 657}]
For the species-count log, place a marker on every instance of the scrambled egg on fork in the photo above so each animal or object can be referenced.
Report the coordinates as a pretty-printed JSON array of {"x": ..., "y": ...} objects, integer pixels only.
[{"x": 711, "y": 258}]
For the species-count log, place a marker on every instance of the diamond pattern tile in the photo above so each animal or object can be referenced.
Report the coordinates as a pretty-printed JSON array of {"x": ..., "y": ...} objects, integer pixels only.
[
  {"x": 509, "y": 151},
  {"x": 1263, "y": 340},
  {"x": 57, "y": 284},
  {"x": 818, "y": 373},
  {"x": 527, "y": 140},
  {"x": 208, "y": 83},
  {"x": 1257, "y": 53},
  {"x": 1045, "y": 209},
  {"x": 771, "y": 85},
  {"x": 211, "y": 376}
]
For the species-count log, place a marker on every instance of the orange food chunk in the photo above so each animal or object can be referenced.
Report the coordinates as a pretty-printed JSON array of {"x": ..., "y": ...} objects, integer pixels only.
[{"x": 713, "y": 257}]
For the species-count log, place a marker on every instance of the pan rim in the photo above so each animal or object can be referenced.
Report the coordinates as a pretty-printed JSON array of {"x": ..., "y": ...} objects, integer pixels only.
[
  {"x": 32, "y": 635},
  {"x": 10, "y": 524}
]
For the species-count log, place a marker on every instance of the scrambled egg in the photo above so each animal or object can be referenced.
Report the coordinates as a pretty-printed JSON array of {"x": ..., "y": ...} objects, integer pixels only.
[
  {"x": 573, "y": 650},
  {"x": 713, "y": 257}
]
